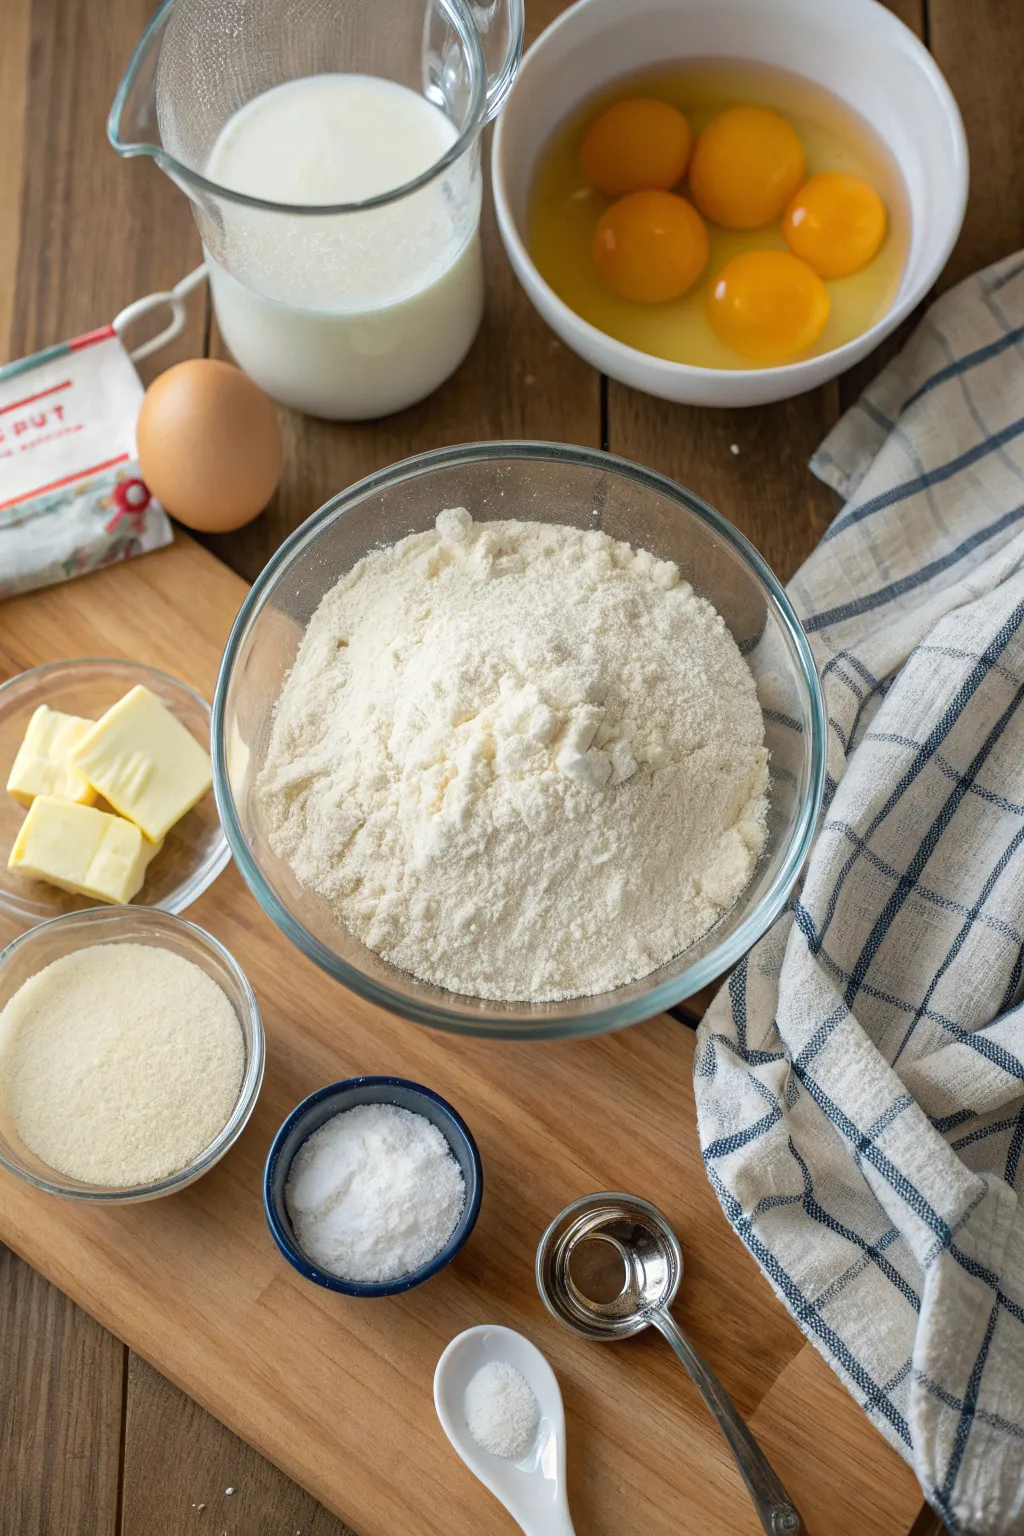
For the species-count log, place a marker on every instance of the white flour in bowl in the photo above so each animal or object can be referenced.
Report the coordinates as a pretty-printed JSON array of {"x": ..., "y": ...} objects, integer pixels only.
[{"x": 522, "y": 761}]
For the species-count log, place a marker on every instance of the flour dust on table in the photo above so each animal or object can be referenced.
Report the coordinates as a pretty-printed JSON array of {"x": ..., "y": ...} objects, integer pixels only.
[{"x": 522, "y": 761}]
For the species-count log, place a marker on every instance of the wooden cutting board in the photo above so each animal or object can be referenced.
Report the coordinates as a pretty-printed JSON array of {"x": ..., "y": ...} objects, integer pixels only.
[{"x": 337, "y": 1392}]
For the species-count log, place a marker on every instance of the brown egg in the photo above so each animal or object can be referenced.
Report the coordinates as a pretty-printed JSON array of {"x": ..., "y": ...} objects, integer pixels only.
[{"x": 209, "y": 445}]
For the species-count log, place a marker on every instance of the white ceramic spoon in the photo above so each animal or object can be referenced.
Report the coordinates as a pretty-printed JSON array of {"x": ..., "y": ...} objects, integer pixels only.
[{"x": 533, "y": 1489}]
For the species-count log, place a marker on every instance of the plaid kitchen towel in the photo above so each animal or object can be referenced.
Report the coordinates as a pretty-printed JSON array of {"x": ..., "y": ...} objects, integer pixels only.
[{"x": 860, "y": 1077}]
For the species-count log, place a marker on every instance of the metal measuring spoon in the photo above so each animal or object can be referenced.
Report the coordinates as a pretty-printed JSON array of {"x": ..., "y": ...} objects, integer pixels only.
[{"x": 608, "y": 1266}]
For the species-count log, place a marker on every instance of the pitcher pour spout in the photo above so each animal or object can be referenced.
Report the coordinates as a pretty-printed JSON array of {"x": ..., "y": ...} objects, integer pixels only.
[{"x": 132, "y": 124}]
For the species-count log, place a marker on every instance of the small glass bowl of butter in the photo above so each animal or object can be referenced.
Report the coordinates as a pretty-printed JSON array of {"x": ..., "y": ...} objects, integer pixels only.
[{"x": 167, "y": 869}]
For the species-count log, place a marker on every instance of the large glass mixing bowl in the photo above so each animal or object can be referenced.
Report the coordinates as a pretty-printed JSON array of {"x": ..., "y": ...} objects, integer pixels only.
[{"x": 544, "y": 482}]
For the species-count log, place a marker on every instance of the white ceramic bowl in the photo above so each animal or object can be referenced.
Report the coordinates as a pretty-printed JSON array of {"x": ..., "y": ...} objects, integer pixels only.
[{"x": 854, "y": 48}]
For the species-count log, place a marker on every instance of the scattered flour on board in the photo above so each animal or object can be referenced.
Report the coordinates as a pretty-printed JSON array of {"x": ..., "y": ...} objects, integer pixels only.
[
  {"x": 522, "y": 761},
  {"x": 120, "y": 1063}
]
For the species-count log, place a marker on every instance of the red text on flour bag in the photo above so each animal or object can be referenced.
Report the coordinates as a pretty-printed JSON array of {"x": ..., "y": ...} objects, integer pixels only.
[{"x": 70, "y": 494}]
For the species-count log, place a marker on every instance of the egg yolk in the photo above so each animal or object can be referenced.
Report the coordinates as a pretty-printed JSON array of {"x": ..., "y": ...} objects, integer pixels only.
[
  {"x": 767, "y": 305},
  {"x": 650, "y": 247},
  {"x": 636, "y": 144},
  {"x": 836, "y": 223},
  {"x": 746, "y": 166}
]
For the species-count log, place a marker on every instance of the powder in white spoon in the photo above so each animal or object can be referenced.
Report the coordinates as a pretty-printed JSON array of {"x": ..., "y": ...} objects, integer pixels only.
[
  {"x": 119, "y": 1063},
  {"x": 374, "y": 1193},
  {"x": 501, "y": 1411}
]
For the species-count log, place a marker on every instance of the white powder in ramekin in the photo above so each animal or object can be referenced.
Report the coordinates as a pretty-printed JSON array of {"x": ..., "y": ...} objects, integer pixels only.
[{"x": 374, "y": 1193}]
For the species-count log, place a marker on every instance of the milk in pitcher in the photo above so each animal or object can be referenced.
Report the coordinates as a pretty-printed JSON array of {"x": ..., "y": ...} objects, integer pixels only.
[{"x": 346, "y": 315}]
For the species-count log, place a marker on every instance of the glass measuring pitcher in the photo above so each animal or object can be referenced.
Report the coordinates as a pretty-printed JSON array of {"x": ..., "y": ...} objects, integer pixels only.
[{"x": 331, "y": 152}]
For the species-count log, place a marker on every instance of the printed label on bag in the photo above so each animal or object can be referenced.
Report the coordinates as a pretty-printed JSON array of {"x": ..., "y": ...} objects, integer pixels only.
[{"x": 71, "y": 498}]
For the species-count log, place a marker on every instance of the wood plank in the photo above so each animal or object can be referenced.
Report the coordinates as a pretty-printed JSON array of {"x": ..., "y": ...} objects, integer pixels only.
[
  {"x": 179, "y": 1465},
  {"x": 980, "y": 49},
  {"x": 60, "y": 1411},
  {"x": 96, "y": 232},
  {"x": 910, "y": 12},
  {"x": 339, "y": 1393},
  {"x": 792, "y": 1439},
  {"x": 14, "y": 56},
  {"x": 750, "y": 465},
  {"x": 927, "y": 1524}
]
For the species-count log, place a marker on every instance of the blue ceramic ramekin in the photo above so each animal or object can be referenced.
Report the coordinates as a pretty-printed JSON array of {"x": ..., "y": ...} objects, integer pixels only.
[{"x": 311, "y": 1114}]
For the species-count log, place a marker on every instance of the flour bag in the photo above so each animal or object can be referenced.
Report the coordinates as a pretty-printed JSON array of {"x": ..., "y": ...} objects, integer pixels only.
[{"x": 71, "y": 497}]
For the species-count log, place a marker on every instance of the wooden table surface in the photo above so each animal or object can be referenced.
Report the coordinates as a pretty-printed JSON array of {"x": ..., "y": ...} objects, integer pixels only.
[{"x": 92, "y": 1440}]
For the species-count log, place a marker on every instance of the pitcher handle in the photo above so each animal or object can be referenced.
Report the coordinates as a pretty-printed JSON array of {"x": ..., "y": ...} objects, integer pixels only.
[
  {"x": 501, "y": 24},
  {"x": 174, "y": 299}
]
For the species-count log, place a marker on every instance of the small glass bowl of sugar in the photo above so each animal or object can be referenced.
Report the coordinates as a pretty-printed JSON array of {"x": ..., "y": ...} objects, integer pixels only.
[
  {"x": 372, "y": 1186},
  {"x": 131, "y": 1054}
]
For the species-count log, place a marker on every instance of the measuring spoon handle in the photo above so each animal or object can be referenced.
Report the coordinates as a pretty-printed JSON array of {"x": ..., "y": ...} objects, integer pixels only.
[{"x": 776, "y": 1510}]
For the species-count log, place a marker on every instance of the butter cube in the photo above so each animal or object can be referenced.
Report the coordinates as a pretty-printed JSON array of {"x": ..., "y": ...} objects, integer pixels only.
[
  {"x": 144, "y": 762},
  {"x": 82, "y": 850},
  {"x": 41, "y": 766}
]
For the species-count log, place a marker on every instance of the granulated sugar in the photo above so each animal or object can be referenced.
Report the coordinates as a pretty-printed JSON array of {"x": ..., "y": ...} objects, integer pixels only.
[
  {"x": 374, "y": 1193},
  {"x": 501, "y": 1410},
  {"x": 521, "y": 761},
  {"x": 119, "y": 1063}
]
